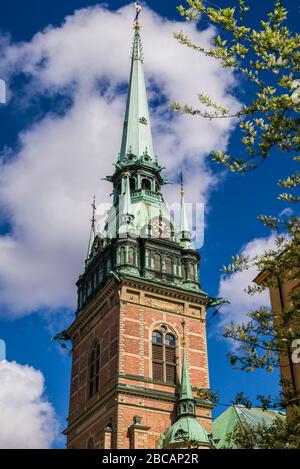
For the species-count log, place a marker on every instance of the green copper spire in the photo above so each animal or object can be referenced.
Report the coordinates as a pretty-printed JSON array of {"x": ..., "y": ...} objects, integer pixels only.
[
  {"x": 186, "y": 402},
  {"x": 186, "y": 430},
  {"x": 137, "y": 138},
  {"x": 185, "y": 385},
  {"x": 184, "y": 232},
  {"x": 127, "y": 210}
]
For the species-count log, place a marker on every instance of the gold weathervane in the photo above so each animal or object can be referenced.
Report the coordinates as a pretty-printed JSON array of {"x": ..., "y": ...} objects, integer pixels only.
[{"x": 136, "y": 24}]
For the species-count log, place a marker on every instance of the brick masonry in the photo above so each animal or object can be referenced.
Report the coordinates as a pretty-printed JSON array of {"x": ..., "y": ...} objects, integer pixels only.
[{"x": 122, "y": 317}]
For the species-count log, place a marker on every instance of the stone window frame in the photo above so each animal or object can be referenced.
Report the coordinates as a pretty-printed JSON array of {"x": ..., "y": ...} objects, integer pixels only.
[
  {"x": 127, "y": 255},
  {"x": 131, "y": 255}
]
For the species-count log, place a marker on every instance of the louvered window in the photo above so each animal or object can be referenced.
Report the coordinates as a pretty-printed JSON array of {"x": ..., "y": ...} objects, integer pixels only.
[
  {"x": 164, "y": 357},
  {"x": 170, "y": 358},
  {"x": 94, "y": 369},
  {"x": 157, "y": 356}
]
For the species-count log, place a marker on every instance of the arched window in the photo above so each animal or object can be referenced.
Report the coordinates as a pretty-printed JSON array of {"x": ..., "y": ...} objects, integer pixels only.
[
  {"x": 170, "y": 352},
  {"x": 131, "y": 256},
  {"x": 90, "y": 444},
  {"x": 157, "y": 356},
  {"x": 122, "y": 255},
  {"x": 157, "y": 337},
  {"x": 168, "y": 263},
  {"x": 170, "y": 340},
  {"x": 94, "y": 369},
  {"x": 164, "y": 357},
  {"x": 157, "y": 262},
  {"x": 146, "y": 184},
  {"x": 193, "y": 271}
]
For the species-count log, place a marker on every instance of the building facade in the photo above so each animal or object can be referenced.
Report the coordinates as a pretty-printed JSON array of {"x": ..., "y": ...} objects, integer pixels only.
[
  {"x": 280, "y": 297},
  {"x": 139, "y": 302}
]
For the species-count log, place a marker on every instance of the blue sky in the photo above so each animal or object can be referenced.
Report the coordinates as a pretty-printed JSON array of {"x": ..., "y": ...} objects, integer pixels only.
[{"x": 232, "y": 202}]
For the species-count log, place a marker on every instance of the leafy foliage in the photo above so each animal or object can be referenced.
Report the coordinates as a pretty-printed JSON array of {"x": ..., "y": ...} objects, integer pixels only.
[{"x": 268, "y": 59}]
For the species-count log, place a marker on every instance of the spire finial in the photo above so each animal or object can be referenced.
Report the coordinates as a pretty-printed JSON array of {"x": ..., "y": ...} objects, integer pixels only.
[
  {"x": 181, "y": 184},
  {"x": 136, "y": 24},
  {"x": 184, "y": 228}
]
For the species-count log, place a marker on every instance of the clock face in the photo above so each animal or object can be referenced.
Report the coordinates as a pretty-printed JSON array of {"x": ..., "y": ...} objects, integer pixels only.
[{"x": 161, "y": 228}]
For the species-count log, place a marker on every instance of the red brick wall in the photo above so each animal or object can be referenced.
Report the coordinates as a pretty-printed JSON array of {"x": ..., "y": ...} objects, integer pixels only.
[
  {"x": 137, "y": 324},
  {"x": 106, "y": 331},
  {"x": 125, "y": 340}
]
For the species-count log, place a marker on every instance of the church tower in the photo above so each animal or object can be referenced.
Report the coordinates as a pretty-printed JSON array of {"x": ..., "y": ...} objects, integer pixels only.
[{"x": 139, "y": 291}]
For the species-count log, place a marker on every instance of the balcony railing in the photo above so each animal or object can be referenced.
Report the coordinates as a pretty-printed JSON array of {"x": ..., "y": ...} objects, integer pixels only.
[{"x": 147, "y": 193}]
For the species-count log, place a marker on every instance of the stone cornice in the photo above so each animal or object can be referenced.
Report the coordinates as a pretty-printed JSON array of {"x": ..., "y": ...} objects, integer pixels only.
[
  {"x": 93, "y": 306},
  {"x": 123, "y": 389},
  {"x": 170, "y": 291},
  {"x": 146, "y": 285}
]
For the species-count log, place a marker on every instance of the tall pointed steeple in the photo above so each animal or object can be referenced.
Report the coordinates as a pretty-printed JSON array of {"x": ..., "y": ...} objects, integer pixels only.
[
  {"x": 139, "y": 262},
  {"x": 137, "y": 138}
]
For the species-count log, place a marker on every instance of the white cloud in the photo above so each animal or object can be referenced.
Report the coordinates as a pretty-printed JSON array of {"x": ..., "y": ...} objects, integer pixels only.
[
  {"x": 46, "y": 185},
  {"x": 28, "y": 419},
  {"x": 232, "y": 288},
  {"x": 2, "y": 92}
]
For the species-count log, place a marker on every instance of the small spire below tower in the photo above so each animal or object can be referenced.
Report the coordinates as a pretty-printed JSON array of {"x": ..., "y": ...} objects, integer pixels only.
[
  {"x": 126, "y": 212},
  {"x": 185, "y": 385},
  {"x": 184, "y": 232},
  {"x": 186, "y": 431},
  {"x": 127, "y": 209},
  {"x": 186, "y": 402}
]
